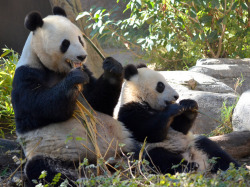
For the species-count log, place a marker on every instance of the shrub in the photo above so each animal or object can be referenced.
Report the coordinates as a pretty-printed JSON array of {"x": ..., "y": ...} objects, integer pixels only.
[
  {"x": 176, "y": 33},
  {"x": 8, "y": 62}
]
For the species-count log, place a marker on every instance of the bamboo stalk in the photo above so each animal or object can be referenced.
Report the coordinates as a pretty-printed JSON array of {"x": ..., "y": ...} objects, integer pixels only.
[{"x": 94, "y": 46}]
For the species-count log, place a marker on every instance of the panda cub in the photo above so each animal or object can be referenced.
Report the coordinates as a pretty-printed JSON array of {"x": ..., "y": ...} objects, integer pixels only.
[
  {"x": 149, "y": 111},
  {"x": 45, "y": 92}
]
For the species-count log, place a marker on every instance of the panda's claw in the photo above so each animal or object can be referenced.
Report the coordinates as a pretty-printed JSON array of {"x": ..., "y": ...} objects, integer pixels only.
[
  {"x": 110, "y": 65},
  {"x": 189, "y": 105}
]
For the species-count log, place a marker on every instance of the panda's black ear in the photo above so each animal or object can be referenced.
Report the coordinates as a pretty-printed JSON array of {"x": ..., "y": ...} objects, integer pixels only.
[
  {"x": 141, "y": 66},
  {"x": 129, "y": 71},
  {"x": 59, "y": 11},
  {"x": 33, "y": 20}
]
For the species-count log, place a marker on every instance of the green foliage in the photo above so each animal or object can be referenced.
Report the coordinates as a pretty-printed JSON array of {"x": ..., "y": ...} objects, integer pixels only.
[
  {"x": 230, "y": 178},
  {"x": 176, "y": 33},
  {"x": 8, "y": 61},
  {"x": 226, "y": 119}
]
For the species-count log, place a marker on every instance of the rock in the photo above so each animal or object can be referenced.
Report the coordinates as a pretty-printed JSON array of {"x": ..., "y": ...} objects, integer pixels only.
[
  {"x": 241, "y": 114},
  {"x": 9, "y": 149},
  {"x": 209, "y": 103},
  {"x": 237, "y": 144},
  {"x": 196, "y": 81},
  {"x": 229, "y": 71}
]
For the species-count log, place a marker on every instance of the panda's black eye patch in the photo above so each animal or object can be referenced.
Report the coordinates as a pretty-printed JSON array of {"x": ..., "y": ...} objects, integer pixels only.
[
  {"x": 160, "y": 87},
  {"x": 64, "y": 45},
  {"x": 80, "y": 40}
]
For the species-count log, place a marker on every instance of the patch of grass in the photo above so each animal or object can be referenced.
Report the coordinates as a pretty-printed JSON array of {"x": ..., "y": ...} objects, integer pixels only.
[
  {"x": 8, "y": 61},
  {"x": 230, "y": 178},
  {"x": 226, "y": 119}
]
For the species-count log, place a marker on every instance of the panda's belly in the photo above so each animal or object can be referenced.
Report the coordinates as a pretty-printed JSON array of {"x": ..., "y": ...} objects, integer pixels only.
[
  {"x": 69, "y": 140},
  {"x": 185, "y": 145}
]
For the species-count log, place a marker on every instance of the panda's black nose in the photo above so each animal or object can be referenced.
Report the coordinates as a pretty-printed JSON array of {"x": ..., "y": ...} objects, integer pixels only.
[
  {"x": 81, "y": 57},
  {"x": 176, "y": 97}
]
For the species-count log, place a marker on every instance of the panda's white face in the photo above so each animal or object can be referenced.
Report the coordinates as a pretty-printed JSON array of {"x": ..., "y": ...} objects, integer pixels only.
[
  {"x": 59, "y": 44},
  {"x": 149, "y": 86}
]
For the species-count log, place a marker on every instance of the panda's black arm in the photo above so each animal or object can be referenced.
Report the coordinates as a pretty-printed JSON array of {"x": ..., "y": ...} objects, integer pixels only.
[
  {"x": 184, "y": 122},
  {"x": 143, "y": 121},
  {"x": 36, "y": 105},
  {"x": 103, "y": 93}
]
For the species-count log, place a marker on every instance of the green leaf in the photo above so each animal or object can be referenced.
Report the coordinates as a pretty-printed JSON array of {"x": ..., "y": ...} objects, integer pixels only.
[
  {"x": 197, "y": 26},
  {"x": 78, "y": 138},
  {"x": 101, "y": 29},
  {"x": 244, "y": 5},
  {"x": 193, "y": 12},
  {"x": 202, "y": 37},
  {"x": 206, "y": 19},
  {"x": 5, "y": 53},
  {"x": 195, "y": 37},
  {"x": 224, "y": 21},
  {"x": 212, "y": 36},
  {"x": 234, "y": 5},
  {"x": 82, "y": 14},
  {"x": 215, "y": 4}
]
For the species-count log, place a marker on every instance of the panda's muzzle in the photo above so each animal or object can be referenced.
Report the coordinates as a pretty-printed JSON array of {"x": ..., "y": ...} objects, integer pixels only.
[
  {"x": 76, "y": 63},
  {"x": 169, "y": 102}
]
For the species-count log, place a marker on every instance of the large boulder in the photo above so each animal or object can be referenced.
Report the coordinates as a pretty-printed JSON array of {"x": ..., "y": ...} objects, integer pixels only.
[
  {"x": 241, "y": 115},
  {"x": 209, "y": 103},
  {"x": 228, "y": 71},
  {"x": 196, "y": 81}
]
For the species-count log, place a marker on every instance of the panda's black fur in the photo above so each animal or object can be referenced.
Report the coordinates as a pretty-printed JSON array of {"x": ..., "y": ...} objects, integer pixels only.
[
  {"x": 44, "y": 96},
  {"x": 166, "y": 130}
]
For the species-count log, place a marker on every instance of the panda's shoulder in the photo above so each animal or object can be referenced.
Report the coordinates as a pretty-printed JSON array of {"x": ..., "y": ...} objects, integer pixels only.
[{"x": 23, "y": 73}]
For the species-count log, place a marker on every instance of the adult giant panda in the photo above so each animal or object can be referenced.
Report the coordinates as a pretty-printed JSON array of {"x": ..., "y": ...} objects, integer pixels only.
[
  {"x": 148, "y": 110},
  {"x": 44, "y": 96}
]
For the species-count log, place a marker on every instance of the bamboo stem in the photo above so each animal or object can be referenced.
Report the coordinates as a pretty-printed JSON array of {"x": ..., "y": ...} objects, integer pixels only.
[{"x": 94, "y": 46}]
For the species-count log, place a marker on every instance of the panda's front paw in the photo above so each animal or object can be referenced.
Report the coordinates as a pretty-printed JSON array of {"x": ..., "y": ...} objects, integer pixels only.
[
  {"x": 112, "y": 66},
  {"x": 77, "y": 76},
  {"x": 192, "y": 166},
  {"x": 174, "y": 110},
  {"x": 189, "y": 105}
]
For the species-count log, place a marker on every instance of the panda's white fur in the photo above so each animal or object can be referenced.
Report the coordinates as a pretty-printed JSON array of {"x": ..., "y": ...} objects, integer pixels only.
[
  {"x": 53, "y": 140},
  {"x": 179, "y": 142}
]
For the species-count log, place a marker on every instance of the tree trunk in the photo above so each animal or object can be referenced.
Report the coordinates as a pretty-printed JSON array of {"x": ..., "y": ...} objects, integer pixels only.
[
  {"x": 237, "y": 143},
  {"x": 73, "y": 8}
]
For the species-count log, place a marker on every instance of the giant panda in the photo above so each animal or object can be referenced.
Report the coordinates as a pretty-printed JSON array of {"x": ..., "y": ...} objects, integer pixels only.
[
  {"x": 149, "y": 110},
  {"x": 49, "y": 79}
]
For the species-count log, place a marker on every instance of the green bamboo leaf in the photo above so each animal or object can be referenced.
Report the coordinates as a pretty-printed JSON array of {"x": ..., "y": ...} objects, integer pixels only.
[
  {"x": 234, "y": 5},
  {"x": 244, "y": 5},
  {"x": 206, "y": 19},
  {"x": 193, "y": 12},
  {"x": 195, "y": 37},
  {"x": 5, "y": 53},
  {"x": 215, "y": 4}
]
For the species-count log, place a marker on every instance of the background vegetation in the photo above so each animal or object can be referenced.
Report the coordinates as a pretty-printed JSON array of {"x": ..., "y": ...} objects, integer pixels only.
[
  {"x": 175, "y": 33},
  {"x": 8, "y": 61}
]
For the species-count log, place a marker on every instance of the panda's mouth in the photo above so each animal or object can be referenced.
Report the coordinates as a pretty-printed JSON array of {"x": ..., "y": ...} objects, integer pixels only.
[
  {"x": 74, "y": 64},
  {"x": 169, "y": 102}
]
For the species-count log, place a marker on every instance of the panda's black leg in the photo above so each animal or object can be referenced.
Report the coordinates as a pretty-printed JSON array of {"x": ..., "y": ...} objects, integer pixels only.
[
  {"x": 212, "y": 149},
  {"x": 168, "y": 162},
  {"x": 36, "y": 165},
  {"x": 184, "y": 122}
]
